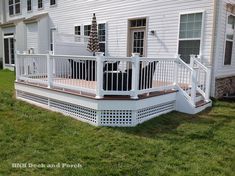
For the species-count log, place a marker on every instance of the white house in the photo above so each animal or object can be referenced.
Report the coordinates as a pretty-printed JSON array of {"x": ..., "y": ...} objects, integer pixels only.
[{"x": 152, "y": 28}]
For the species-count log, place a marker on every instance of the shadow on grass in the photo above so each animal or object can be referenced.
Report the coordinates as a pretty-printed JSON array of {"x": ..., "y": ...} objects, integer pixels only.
[{"x": 168, "y": 124}]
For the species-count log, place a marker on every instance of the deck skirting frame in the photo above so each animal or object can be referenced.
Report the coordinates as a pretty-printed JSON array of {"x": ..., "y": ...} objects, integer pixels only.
[{"x": 120, "y": 113}]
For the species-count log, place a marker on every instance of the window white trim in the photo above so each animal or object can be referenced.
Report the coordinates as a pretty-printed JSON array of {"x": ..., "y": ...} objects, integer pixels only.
[
  {"x": 29, "y": 11},
  {"x": 14, "y": 8},
  {"x": 40, "y": 8},
  {"x": 225, "y": 40},
  {"x": 53, "y": 5},
  {"x": 202, "y": 29}
]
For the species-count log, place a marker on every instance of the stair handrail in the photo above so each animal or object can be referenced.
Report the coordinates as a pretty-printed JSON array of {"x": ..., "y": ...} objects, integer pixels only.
[
  {"x": 198, "y": 65},
  {"x": 192, "y": 95}
]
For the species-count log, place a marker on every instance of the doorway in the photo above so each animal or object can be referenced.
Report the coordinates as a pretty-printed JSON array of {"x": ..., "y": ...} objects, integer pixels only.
[
  {"x": 137, "y": 37},
  {"x": 9, "y": 49}
]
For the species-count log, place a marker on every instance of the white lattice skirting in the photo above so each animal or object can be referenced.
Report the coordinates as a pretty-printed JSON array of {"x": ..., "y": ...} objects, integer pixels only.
[{"x": 121, "y": 113}]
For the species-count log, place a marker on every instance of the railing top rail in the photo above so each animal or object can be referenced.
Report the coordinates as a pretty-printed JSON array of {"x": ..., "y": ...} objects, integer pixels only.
[
  {"x": 157, "y": 59},
  {"x": 74, "y": 56},
  {"x": 35, "y": 55},
  {"x": 107, "y": 58},
  {"x": 186, "y": 65},
  {"x": 201, "y": 65}
]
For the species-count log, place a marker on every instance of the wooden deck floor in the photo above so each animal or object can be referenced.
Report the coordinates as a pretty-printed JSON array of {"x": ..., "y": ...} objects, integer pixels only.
[{"x": 92, "y": 85}]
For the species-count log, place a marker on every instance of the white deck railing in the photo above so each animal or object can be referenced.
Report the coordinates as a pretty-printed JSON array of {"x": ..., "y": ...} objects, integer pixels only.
[{"x": 100, "y": 75}]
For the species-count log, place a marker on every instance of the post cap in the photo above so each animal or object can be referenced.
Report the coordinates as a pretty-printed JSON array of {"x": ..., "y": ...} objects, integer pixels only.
[
  {"x": 99, "y": 54},
  {"x": 135, "y": 54}
]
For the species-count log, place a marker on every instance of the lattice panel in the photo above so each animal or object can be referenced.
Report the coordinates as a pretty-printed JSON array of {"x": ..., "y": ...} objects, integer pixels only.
[
  {"x": 150, "y": 112},
  {"x": 116, "y": 118},
  {"x": 76, "y": 111},
  {"x": 32, "y": 97}
]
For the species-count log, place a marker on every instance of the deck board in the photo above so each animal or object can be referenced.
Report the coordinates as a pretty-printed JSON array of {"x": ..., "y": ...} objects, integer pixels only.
[{"x": 92, "y": 85}]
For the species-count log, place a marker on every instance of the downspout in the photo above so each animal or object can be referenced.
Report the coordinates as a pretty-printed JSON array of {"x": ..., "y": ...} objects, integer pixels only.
[{"x": 213, "y": 47}]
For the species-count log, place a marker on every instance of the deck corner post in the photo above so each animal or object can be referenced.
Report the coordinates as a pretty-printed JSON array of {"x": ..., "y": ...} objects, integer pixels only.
[
  {"x": 49, "y": 70},
  {"x": 135, "y": 75},
  {"x": 99, "y": 74},
  {"x": 194, "y": 86},
  {"x": 192, "y": 58},
  {"x": 208, "y": 82},
  {"x": 17, "y": 66},
  {"x": 177, "y": 56}
]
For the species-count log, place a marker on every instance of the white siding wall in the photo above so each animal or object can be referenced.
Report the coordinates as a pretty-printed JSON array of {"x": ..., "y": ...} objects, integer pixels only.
[
  {"x": 163, "y": 17},
  {"x": 32, "y": 36},
  {"x": 221, "y": 70}
]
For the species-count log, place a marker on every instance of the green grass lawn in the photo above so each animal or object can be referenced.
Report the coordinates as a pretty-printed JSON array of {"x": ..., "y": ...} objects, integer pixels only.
[{"x": 172, "y": 144}]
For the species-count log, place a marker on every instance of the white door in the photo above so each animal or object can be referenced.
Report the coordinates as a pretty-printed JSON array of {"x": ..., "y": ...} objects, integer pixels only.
[
  {"x": 32, "y": 37},
  {"x": 138, "y": 41}
]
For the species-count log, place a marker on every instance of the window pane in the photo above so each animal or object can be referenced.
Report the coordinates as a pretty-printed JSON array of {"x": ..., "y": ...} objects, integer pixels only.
[
  {"x": 29, "y": 5},
  {"x": 52, "y": 2},
  {"x": 101, "y": 32},
  {"x": 6, "y": 51},
  {"x": 186, "y": 48},
  {"x": 77, "y": 30},
  {"x": 17, "y": 8},
  {"x": 87, "y": 30},
  {"x": 40, "y": 4},
  {"x": 198, "y": 17},
  {"x": 230, "y": 27},
  {"x": 228, "y": 53},
  {"x": 138, "y": 23},
  {"x": 190, "y": 25},
  {"x": 191, "y": 17},
  {"x": 102, "y": 47},
  {"x": 11, "y": 10},
  {"x": 12, "y": 51},
  {"x": 184, "y": 18},
  {"x": 10, "y": 2}
]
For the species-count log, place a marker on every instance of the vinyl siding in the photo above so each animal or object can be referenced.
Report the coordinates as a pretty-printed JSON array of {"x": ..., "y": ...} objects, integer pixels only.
[
  {"x": 32, "y": 36},
  {"x": 162, "y": 15},
  {"x": 221, "y": 70}
]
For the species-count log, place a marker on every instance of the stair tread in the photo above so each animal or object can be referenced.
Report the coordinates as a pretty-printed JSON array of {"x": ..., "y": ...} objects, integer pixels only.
[{"x": 201, "y": 103}]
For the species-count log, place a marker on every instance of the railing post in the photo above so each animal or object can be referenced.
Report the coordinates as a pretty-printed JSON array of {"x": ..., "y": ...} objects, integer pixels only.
[
  {"x": 135, "y": 75},
  {"x": 208, "y": 82},
  {"x": 17, "y": 66},
  {"x": 99, "y": 74},
  {"x": 177, "y": 56},
  {"x": 49, "y": 70},
  {"x": 194, "y": 86},
  {"x": 192, "y": 57}
]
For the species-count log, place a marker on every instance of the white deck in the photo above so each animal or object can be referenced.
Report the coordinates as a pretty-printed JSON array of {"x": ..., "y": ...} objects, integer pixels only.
[{"x": 117, "y": 97}]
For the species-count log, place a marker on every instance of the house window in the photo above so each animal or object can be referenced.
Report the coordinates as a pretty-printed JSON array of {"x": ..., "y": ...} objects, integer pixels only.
[
  {"x": 229, "y": 40},
  {"x": 190, "y": 35},
  {"x": 40, "y": 4},
  {"x": 87, "y": 30},
  {"x": 52, "y": 2},
  {"x": 77, "y": 30},
  {"x": 101, "y": 36},
  {"x": 29, "y": 5},
  {"x": 138, "y": 23},
  {"x": 14, "y": 7}
]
